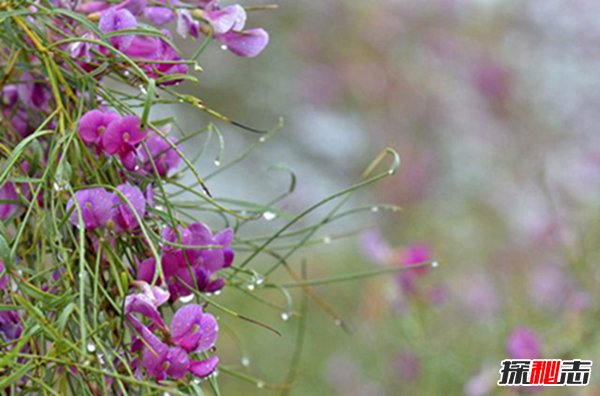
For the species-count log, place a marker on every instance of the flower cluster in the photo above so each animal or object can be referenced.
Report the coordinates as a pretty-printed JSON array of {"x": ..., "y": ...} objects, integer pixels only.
[
  {"x": 111, "y": 134},
  {"x": 192, "y": 267},
  {"x": 156, "y": 55},
  {"x": 191, "y": 332},
  {"x": 78, "y": 153}
]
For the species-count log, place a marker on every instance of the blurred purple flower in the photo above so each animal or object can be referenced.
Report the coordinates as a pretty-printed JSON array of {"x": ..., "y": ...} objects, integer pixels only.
[
  {"x": 96, "y": 206},
  {"x": 523, "y": 343},
  {"x": 10, "y": 326},
  {"x": 164, "y": 156},
  {"x": 124, "y": 215},
  {"x": 159, "y": 15},
  {"x": 376, "y": 248},
  {"x": 33, "y": 91},
  {"x": 92, "y": 127},
  {"x": 408, "y": 366},
  {"x": 114, "y": 20},
  {"x": 162, "y": 54},
  {"x": 8, "y": 201},
  {"x": 187, "y": 25}
]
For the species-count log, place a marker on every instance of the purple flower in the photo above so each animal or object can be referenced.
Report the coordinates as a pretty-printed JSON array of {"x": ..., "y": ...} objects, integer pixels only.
[
  {"x": 203, "y": 263},
  {"x": 158, "y": 51},
  {"x": 523, "y": 343},
  {"x": 122, "y": 136},
  {"x": 8, "y": 201},
  {"x": 248, "y": 43},
  {"x": 415, "y": 254},
  {"x": 159, "y": 15},
  {"x": 376, "y": 248},
  {"x": 223, "y": 20},
  {"x": 33, "y": 92},
  {"x": 92, "y": 127},
  {"x": 187, "y": 25},
  {"x": 146, "y": 303},
  {"x": 96, "y": 206},
  {"x": 124, "y": 215},
  {"x": 114, "y": 20},
  {"x": 192, "y": 331},
  {"x": 10, "y": 326},
  {"x": 164, "y": 156}
]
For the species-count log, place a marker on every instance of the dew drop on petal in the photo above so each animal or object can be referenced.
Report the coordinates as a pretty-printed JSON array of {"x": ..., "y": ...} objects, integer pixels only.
[
  {"x": 269, "y": 216},
  {"x": 186, "y": 299}
]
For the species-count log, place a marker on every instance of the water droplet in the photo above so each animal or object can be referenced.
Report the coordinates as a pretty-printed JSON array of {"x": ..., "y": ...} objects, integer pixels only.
[
  {"x": 217, "y": 163},
  {"x": 338, "y": 322},
  {"x": 375, "y": 209},
  {"x": 262, "y": 139},
  {"x": 259, "y": 279},
  {"x": 390, "y": 172},
  {"x": 327, "y": 240},
  {"x": 435, "y": 264},
  {"x": 245, "y": 361},
  {"x": 91, "y": 347},
  {"x": 224, "y": 47},
  {"x": 160, "y": 207},
  {"x": 143, "y": 90},
  {"x": 217, "y": 293},
  {"x": 285, "y": 316},
  {"x": 269, "y": 216},
  {"x": 260, "y": 384},
  {"x": 197, "y": 381},
  {"x": 250, "y": 286},
  {"x": 186, "y": 299}
]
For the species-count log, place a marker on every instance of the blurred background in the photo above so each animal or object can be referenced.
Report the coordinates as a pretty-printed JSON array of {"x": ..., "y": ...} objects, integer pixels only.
[{"x": 494, "y": 108}]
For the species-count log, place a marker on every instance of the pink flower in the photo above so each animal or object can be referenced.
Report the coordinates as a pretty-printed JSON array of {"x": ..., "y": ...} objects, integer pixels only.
[
  {"x": 96, "y": 205},
  {"x": 125, "y": 215},
  {"x": 248, "y": 43},
  {"x": 9, "y": 200},
  {"x": 114, "y": 20},
  {"x": 122, "y": 136},
  {"x": 92, "y": 127},
  {"x": 523, "y": 343}
]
